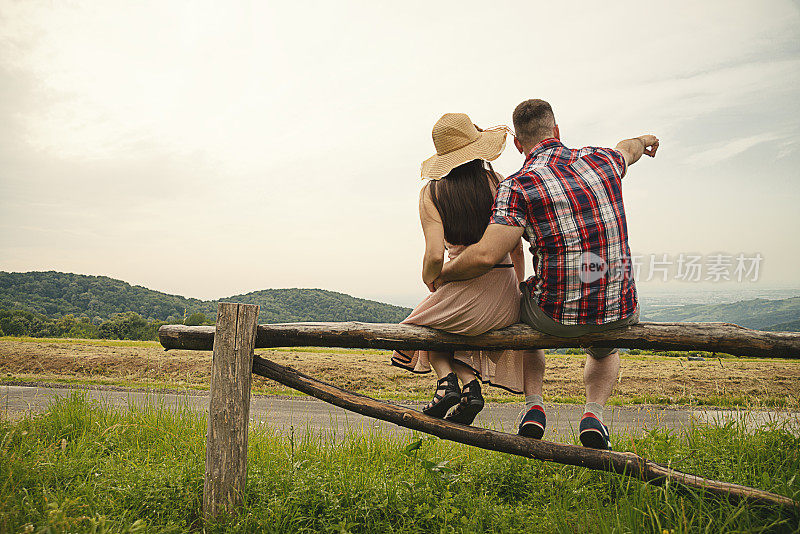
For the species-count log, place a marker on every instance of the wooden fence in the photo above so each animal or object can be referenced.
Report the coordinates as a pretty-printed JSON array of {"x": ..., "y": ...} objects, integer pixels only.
[{"x": 237, "y": 334}]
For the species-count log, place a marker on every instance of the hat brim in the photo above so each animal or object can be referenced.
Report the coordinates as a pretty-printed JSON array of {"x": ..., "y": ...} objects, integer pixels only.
[{"x": 488, "y": 147}]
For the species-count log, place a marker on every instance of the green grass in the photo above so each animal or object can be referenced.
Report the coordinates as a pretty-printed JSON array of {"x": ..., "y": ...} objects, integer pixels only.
[
  {"x": 82, "y": 467},
  {"x": 705, "y": 401}
]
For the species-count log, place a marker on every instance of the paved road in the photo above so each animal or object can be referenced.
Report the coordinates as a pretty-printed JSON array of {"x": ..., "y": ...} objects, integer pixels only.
[{"x": 304, "y": 413}]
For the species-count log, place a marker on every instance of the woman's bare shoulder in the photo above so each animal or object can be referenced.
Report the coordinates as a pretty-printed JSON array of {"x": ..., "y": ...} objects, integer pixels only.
[
  {"x": 425, "y": 195},
  {"x": 425, "y": 191},
  {"x": 427, "y": 208}
]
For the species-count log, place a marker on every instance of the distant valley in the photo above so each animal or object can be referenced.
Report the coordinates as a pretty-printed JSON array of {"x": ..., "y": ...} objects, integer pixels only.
[{"x": 761, "y": 314}]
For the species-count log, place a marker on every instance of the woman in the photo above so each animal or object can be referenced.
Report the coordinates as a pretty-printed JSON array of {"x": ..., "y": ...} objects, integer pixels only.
[{"x": 454, "y": 209}]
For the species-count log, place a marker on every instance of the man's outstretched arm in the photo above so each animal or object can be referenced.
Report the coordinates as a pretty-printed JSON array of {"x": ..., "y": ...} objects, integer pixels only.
[
  {"x": 497, "y": 241},
  {"x": 633, "y": 149}
]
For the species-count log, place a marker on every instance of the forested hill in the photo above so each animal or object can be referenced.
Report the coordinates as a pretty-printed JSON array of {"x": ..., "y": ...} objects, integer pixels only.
[
  {"x": 761, "y": 314},
  {"x": 298, "y": 305},
  {"x": 57, "y": 294}
]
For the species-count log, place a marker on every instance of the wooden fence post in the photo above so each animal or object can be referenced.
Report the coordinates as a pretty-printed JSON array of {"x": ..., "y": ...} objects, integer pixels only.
[{"x": 229, "y": 411}]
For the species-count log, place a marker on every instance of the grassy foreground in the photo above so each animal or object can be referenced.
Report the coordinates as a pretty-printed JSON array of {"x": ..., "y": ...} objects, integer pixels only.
[{"x": 82, "y": 467}]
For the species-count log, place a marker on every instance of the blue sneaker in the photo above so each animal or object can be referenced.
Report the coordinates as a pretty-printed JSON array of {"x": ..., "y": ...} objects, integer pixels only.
[
  {"x": 594, "y": 434},
  {"x": 533, "y": 423}
]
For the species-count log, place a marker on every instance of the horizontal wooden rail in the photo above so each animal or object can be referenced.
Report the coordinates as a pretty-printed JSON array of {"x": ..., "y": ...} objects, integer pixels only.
[
  {"x": 712, "y": 337},
  {"x": 616, "y": 462}
]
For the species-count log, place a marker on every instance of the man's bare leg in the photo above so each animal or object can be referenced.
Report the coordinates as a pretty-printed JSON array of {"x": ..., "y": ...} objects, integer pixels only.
[
  {"x": 599, "y": 377},
  {"x": 533, "y": 364},
  {"x": 534, "y": 421}
]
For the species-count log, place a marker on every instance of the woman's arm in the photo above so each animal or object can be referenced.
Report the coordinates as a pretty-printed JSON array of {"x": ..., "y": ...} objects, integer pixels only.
[
  {"x": 433, "y": 230},
  {"x": 518, "y": 259}
]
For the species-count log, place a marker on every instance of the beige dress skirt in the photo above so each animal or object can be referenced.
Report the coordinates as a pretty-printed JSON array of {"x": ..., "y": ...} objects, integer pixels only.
[{"x": 472, "y": 307}]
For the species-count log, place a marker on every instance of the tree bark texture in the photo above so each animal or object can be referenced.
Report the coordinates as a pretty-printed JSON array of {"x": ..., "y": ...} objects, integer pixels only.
[
  {"x": 229, "y": 412},
  {"x": 712, "y": 337}
]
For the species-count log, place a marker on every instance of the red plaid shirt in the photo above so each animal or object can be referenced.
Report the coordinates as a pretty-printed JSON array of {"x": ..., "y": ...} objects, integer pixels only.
[{"x": 570, "y": 204}]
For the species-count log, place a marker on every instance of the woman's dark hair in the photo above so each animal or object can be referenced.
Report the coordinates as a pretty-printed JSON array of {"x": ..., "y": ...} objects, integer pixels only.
[{"x": 464, "y": 201}]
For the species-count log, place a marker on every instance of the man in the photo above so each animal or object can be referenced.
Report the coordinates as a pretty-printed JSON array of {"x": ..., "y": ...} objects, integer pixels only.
[{"x": 568, "y": 204}]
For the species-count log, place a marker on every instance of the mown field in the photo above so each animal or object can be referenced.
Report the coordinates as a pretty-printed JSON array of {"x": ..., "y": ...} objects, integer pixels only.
[
  {"x": 81, "y": 467},
  {"x": 645, "y": 378}
]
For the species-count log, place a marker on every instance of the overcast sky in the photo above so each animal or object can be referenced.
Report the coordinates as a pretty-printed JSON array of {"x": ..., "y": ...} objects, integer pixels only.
[{"x": 214, "y": 148}]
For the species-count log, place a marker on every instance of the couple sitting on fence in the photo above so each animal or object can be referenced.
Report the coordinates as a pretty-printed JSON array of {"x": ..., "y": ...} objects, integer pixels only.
[{"x": 567, "y": 204}]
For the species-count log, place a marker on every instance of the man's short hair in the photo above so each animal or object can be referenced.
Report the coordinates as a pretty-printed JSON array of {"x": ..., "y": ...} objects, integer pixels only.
[{"x": 533, "y": 120}]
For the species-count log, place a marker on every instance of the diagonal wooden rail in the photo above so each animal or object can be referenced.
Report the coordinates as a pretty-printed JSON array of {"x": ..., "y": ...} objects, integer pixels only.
[
  {"x": 712, "y": 337},
  {"x": 623, "y": 463}
]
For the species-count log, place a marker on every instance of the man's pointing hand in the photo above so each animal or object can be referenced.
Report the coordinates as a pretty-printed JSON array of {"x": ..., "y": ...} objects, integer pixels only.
[{"x": 650, "y": 144}]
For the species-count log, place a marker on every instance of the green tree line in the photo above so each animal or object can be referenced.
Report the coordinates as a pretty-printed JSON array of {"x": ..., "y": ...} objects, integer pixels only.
[{"x": 128, "y": 325}]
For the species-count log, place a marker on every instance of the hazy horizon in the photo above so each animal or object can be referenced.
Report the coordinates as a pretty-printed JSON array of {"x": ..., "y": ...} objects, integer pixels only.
[{"x": 209, "y": 150}]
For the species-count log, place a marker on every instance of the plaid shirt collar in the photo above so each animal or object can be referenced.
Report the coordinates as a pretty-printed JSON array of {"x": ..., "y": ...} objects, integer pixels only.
[{"x": 542, "y": 146}]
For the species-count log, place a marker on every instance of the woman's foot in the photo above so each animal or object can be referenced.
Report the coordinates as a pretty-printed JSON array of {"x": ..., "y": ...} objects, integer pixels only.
[
  {"x": 447, "y": 395},
  {"x": 469, "y": 407}
]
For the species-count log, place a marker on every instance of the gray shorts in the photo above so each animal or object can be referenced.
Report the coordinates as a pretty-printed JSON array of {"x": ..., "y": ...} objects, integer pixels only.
[{"x": 531, "y": 314}]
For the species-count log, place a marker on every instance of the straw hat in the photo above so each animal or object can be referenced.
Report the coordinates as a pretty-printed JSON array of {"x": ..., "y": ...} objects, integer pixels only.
[{"x": 458, "y": 141}]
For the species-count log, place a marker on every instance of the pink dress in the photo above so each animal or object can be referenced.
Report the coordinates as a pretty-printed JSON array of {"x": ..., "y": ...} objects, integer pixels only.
[{"x": 472, "y": 307}]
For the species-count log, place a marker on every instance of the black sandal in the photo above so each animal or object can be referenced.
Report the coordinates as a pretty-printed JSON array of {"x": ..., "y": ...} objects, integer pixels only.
[
  {"x": 444, "y": 401},
  {"x": 471, "y": 404}
]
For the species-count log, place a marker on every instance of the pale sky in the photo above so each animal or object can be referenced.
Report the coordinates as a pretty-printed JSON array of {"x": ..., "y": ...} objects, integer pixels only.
[{"x": 214, "y": 148}]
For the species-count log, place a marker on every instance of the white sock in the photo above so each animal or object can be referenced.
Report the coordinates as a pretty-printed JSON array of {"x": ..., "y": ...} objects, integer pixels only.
[
  {"x": 533, "y": 400},
  {"x": 596, "y": 409}
]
